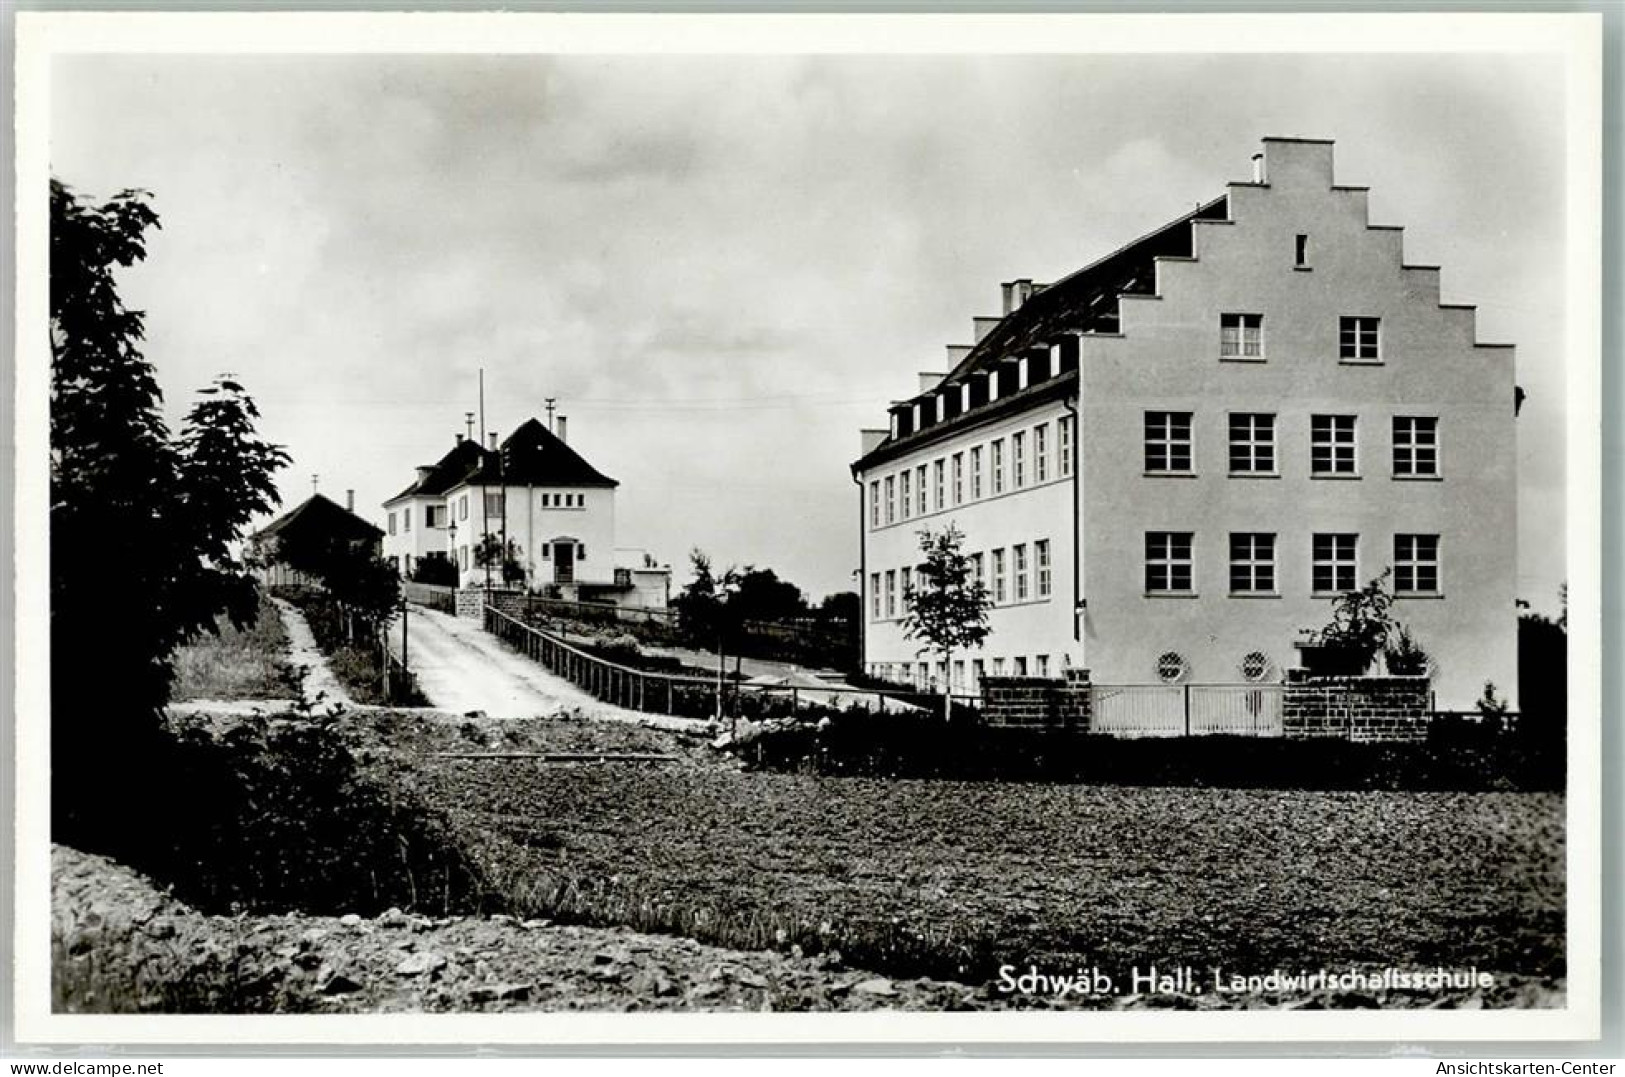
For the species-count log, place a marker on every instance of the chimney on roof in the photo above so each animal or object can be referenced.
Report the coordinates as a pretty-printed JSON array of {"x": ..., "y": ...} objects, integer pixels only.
[
  {"x": 491, "y": 436},
  {"x": 929, "y": 380},
  {"x": 1016, "y": 293},
  {"x": 561, "y": 422},
  {"x": 424, "y": 470},
  {"x": 468, "y": 424},
  {"x": 1258, "y": 168},
  {"x": 349, "y": 500}
]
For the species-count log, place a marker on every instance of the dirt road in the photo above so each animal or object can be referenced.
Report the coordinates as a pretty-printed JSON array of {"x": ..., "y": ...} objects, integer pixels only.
[{"x": 462, "y": 668}]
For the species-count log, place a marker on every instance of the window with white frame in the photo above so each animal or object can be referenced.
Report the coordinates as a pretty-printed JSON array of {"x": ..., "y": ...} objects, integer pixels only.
[
  {"x": 1041, "y": 452},
  {"x": 998, "y": 667},
  {"x": 462, "y": 510},
  {"x": 434, "y": 516},
  {"x": 977, "y": 673},
  {"x": 999, "y": 592},
  {"x": 406, "y": 519},
  {"x": 976, "y": 473},
  {"x": 874, "y": 503},
  {"x": 1041, "y": 561},
  {"x": 495, "y": 503},
  {"x": 905, "y": 491},
  {"x": 874, "y": 595},
  {"x": 905, "y": 585},
  {"x": 959, "y": 674},
  {"x": 1359, "y": 340},
  {"x": 1041, "y": 665},
  {"x": 1167, "y": 442},
  {"x": 891, "y": 498},
  {"x": 1333, "y": 567},
  {"x": 1063, "y": 445},
  {"x": 939, "y": 472},
  {"x": 891, "y": 593},
  {"x": 1168, "y": 562},
  {"x": 978, "y": 570},
  {"x": 998, "y": 466},
  {"x": 1416, "y": 445},
  {"x": 919, "y": 491},
  {"x": 1252, "y": 443},
  {"x": 1241, "y": 336},
  {"x": 1019, "y": 665},
  {"x": 392, "y": 523},
  {"x": 959, "y": 478},
  {"x": 1331, "y": 445},
  {"x": 1018, "y": 460},
  {"x": 1416, "y": 564},
  {"x": 1018, "y": 559},
  {"x": 1252, "y": 563}
]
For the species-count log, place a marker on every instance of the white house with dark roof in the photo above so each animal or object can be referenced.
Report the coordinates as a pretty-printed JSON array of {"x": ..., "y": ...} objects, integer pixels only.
[
  {"x": 538, "y": 498},
  {"x": 1169, "y": 462}
]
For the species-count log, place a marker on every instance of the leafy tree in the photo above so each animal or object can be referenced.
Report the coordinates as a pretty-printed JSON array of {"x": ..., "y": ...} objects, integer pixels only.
[
  {"x": 142, "y": 524},
  {"x": 493, "y": 553},
  {"x": 763, "y": 596},
  {"x": 842, "y": 607},
  {"x": 366, "y": 588},
  {"x": 945, "y": 607},
  {"x": 1404, "y": 656},
  {"x": 706, "y": 613},
  {"x": 1359, "y": 630}
]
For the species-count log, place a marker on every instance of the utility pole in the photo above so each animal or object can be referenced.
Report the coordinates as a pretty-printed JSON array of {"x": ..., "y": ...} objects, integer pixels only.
[
  {"x": 314, "y": 479},
  {"x": 552, "y": 402}
]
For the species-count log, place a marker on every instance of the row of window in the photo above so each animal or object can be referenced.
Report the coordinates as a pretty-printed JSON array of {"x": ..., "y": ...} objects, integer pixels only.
[
  {"x": 1169, "y": 563},
  {"x": 1018, "y": 573},
  {"x": 928, "y": 676},
  {"x": 1241, "y": 336},
  {"x": 974, "y": 473},
  {"x": 495, "y": 508},
  {"x": 1170, "y": 667},
  {"x": 577, "y": 552},
  {"x": 1333, "y": 444}
]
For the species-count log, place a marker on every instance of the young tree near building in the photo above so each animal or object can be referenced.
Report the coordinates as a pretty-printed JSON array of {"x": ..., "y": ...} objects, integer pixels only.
[
  {"x": 706, "y": 611},
  {"x": 945, "y": 608},
  {"x": 142, "y": 524}
]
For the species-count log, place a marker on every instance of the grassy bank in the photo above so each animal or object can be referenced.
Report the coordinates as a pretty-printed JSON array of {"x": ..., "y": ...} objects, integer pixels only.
[{"x": 246, "y": 663}]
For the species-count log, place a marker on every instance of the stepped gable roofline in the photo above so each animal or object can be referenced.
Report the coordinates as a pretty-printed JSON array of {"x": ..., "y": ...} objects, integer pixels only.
[
  {"x": 459, "y": 461},
  {"x": 534, "y": 456},
  {"x": 318, "y": 510},
  {"x": 1082, "y": 301}
]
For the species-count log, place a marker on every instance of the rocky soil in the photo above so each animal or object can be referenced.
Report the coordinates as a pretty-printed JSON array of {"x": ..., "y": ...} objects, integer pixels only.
[{"x": 122, "y": 945}]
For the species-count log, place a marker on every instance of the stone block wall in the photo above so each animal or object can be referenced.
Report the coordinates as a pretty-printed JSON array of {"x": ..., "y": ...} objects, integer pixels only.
[
  {"x": 470, "y": 602},
  {"x": 1362, "y": 709},
  {"x": 1038, "y": 701}
]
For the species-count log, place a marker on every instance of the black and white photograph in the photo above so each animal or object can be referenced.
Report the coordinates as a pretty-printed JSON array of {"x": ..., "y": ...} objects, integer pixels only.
[{"x": 555, "y": 529}]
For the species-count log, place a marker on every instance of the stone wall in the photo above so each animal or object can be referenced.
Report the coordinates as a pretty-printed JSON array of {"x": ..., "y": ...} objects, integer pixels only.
[
  {"x": 1038, "y": 701},
  {"x": 471, "y": 602},
  {"x": 1364, "y": 709}
]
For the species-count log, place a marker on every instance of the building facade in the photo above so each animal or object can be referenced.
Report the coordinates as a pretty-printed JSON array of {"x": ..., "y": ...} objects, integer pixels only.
[
  {"x": 1167, "y": 464},
  {"x": 316, "y": 523},
  {"x": 533, "y": 496}
]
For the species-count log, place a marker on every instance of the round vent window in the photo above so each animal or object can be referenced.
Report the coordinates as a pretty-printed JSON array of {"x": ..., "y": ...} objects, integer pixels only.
[
  {"x": 1256, "y": 666},
  {"x": 1171, "y": 666}
]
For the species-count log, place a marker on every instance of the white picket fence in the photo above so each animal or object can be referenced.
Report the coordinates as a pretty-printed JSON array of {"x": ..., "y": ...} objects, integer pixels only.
[{"x": 1184, "y": 710}]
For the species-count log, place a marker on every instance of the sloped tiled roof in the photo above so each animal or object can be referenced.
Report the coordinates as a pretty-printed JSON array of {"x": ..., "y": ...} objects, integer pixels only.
[
  {"x": 324, "y": 514},
  {"x": 1085, "y": 301},
  {"x": 446, "y": 472},
  {"x": 535, "y": 456}
]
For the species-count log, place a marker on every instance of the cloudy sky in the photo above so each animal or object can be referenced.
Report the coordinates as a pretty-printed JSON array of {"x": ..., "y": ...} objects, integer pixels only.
[{"x": 724, "y": 267}]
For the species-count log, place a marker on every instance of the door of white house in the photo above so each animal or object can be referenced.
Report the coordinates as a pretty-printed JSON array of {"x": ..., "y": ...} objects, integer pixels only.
[{"x": 564, "y": 562}]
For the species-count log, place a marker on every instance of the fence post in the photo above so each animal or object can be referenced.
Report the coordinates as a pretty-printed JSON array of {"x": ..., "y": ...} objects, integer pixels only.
[{"x": 1187, "y": 710}]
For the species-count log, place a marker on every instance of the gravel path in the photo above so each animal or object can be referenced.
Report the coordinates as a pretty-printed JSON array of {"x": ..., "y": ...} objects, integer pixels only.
[
  {"x": 302, "y": 651},
  {"x": 463, "y": 668}
]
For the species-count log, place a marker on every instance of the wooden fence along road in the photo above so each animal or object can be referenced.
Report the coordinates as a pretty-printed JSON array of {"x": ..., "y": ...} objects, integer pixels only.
[{"x": 683, "y": 695}]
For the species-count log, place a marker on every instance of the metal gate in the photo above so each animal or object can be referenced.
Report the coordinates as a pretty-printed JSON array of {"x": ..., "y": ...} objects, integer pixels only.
[{"x": 1187, "y": 710}]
